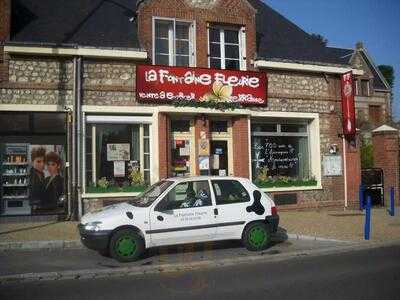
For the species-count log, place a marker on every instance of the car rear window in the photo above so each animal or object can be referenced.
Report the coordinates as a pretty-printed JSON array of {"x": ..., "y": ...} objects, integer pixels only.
[{"x": 229, "y": 192}]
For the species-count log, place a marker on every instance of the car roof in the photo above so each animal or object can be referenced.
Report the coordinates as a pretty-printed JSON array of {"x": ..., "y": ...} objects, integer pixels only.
[{"x": 204, "y": 177}]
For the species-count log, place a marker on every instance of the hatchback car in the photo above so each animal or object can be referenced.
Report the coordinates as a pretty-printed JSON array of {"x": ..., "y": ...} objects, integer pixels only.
[{"x": 182, "y": 210}]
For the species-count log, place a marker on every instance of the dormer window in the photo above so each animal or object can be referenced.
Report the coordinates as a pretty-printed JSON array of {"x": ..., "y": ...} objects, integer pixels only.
[
  {"x": 226, "y": 47},
  {"x": 173, "y": 42}
]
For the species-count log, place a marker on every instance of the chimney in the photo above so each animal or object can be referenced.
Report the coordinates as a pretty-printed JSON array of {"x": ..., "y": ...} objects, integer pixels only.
[{"x": 359, "y": 46}]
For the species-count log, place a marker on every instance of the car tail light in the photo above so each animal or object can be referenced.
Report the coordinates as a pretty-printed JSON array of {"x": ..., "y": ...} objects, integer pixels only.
[{"x": 274, "y": 211}]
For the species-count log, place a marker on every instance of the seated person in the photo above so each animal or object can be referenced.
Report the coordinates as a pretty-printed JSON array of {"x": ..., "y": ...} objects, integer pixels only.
[
  {"x": 189, "y": 199},
  {"x": 202, "y": 199}
]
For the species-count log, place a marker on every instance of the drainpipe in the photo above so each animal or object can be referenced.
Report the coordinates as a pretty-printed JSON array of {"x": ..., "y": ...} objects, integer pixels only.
[
  {"x": 76, "y": 137},
  {"x": 345, "y": 172}
]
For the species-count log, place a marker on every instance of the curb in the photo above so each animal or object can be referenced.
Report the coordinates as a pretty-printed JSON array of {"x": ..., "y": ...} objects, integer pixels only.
[
  {"x": 76, "y": 244},
  {"x": 180, "y": 267},
  {"x": 41, "y": 245}
]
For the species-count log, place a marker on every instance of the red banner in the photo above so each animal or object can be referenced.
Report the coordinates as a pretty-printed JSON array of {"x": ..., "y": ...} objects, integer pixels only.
[
  {"x": 348, "y": 109},
  {"x": 167, "y": 84}
]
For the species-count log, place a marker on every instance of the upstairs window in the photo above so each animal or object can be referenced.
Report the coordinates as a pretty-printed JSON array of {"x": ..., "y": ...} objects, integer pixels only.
[
  {"x": 173, "y": 43},
  {"x": 226, "y": 48},
  {"x": 365, "y": 88}
]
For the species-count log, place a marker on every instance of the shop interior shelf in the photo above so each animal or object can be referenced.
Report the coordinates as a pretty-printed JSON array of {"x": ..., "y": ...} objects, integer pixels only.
[
  {"x": 16, "y": 197},
  {"x": 15, "y": 185},
  {"x": 15, "y": 163}
]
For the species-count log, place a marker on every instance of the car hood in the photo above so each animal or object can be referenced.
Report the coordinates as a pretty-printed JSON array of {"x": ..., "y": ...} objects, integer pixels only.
[{"x": 110, "y": 212}]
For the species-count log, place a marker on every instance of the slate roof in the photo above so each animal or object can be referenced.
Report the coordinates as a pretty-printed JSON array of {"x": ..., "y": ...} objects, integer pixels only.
[
  {"x": 378, "y": 83},
  {"x": 98, "y": 23},
  {"x": 108, "y": 23}
]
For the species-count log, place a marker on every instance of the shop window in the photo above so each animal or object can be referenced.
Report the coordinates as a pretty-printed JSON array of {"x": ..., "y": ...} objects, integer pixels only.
[
  {"x": 173, "y": 42},
  {"x": 117, "y": 157},
  {"x": 187, "y": 195},
  {"x": 281, "y": 156},
  {"x": 226, "y": 48},
  {"x": 219, "y": 126},
  {"x": 32, "y": 163},
  {"x": 180, "y": 125}
]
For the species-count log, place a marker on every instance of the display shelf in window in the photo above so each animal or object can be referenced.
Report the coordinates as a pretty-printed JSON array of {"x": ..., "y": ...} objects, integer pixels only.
[{"x": 15, "y": 180}]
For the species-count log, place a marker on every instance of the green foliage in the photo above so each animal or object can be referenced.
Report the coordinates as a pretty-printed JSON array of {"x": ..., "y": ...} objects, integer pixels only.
[
  {"x": 136, "y": 178},
  {"x": 208, "y": 104},
  {"x": 367, "y": 156},
  {"x": 284, "y": 181},
  {"x": 388, "y": 73},
  {"x": 103, "y": 183},
  {"x": 115, "y": 189}
]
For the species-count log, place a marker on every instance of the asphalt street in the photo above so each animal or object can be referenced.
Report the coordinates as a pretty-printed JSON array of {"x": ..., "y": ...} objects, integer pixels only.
[
  {"x": 364, "y": 274},
  {"x": 19, "y": 262}
]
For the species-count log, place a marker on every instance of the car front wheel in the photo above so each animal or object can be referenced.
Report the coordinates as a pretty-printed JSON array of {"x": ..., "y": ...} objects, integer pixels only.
[
  {"x": 126, "y": 245},
  {"x": 256, "y": 236}
]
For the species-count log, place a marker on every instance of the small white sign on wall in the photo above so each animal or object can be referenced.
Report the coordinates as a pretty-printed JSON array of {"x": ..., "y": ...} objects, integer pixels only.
[{"x": 332, "y": 165}]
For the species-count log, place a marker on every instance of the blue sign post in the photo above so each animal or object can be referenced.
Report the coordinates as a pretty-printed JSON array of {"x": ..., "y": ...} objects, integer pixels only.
[
  {"x": 391, "y": 211},
  {"x": 367, "y": 227}
]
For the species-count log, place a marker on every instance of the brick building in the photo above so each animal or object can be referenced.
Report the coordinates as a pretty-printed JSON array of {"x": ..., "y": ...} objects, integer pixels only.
[{"x": 81, "y": 60}]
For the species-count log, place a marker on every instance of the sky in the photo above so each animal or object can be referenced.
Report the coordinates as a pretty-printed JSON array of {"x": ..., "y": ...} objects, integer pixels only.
[{"x": 344, "y": 22}]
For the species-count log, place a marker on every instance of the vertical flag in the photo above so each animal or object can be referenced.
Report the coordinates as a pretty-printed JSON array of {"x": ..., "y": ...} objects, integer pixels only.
[{"x": 348, "y": 109}]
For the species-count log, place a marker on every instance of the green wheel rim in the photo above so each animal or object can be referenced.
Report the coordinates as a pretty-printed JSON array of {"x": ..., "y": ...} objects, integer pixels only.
[
  {"x": 258, "y": 237},
  {"x": 126, "y": 246}
]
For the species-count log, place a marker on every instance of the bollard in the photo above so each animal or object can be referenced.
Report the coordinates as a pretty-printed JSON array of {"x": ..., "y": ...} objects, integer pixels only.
[
  {"x": 361, "y": 196},
  {"x": 367, "y": 227},
  {"x": 391, "y": 211}
]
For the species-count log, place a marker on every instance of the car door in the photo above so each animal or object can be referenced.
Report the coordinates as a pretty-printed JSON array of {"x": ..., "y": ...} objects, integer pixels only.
[
  {"x": 231, "y": 199},
  {"x": 184, "y": 215}
]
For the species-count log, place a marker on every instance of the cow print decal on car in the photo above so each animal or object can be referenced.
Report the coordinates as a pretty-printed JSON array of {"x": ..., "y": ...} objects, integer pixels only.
[{"x": 257, "y": 207}]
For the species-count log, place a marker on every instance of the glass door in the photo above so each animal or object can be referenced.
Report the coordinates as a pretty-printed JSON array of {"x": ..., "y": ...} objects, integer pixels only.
[{"x": 219, "y": 158}]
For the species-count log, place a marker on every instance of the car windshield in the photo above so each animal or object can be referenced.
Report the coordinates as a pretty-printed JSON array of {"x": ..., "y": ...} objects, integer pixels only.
[{"x": 151, "y": 194}]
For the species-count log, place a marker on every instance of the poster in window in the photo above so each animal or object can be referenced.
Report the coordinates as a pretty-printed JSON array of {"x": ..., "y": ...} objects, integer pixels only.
[
  {"x": 119, "y": 168},
  {"x": 118, "y": 152},
  {"x": 204, "y": 147},
  {"x": 46, "y": 178},
  {"x": 204, "y": 163}
]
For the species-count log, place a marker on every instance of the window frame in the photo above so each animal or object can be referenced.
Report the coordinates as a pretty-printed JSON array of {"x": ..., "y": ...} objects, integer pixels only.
[
  {"x": 242, "y": 45},
  {"x": 93, "y": 120},
  {"x": 279, "y": 133},
  {"x": 172, "y": 40},
  {"x": 232, "y": 180}
]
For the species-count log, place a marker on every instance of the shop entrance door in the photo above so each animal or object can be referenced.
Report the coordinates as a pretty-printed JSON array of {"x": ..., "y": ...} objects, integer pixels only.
[{"x": 219, "y": 158}]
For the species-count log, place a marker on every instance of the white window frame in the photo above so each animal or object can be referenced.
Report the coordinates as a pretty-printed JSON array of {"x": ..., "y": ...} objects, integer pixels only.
[
  {"x": 93, "y": 120},
  {"x": 242, "y": 45},
  {"x": 171, "y": 39}
]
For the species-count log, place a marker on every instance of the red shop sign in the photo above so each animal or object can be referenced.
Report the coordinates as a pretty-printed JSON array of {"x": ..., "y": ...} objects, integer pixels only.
[
  {"x": 167, "y": 84},
  {"x": 348, "y": 109}
]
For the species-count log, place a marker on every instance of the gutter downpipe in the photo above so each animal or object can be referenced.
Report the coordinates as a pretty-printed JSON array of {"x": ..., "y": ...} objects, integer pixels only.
[{"x": 76, "y": 135}]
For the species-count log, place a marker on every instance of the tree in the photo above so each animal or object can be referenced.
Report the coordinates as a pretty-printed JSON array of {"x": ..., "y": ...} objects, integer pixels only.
[
  {"x": 320, "y": 38},
  {"x": 388, "y": 73}
]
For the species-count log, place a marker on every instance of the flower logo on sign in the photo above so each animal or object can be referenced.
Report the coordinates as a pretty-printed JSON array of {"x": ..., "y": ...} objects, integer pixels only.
[{"x": 220, "y": 93}]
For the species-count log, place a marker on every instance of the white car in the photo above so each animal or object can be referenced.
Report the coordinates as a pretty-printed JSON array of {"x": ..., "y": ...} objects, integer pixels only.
[{"x": 182, "y": 210}]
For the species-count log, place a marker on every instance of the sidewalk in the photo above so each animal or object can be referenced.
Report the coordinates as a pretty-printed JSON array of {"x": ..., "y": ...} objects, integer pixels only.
[{"x": 340, "y": 225}]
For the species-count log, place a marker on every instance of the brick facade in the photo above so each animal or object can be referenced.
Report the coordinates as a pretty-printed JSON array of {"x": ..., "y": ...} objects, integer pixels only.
[
  {"x": 386, "y": 156},
  {"x": 241, "y": 160},
  {"x": 234, "y": 12}
]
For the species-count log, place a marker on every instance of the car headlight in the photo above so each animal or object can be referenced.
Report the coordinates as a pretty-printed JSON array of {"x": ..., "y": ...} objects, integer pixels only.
[{"x": 92, "y": 226}]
